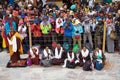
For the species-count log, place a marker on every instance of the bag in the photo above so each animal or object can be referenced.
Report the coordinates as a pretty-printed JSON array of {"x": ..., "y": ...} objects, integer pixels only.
[
  {"x": 66, "y": 46},
  {"x": 113, "y": 35},
  {"x": 29, "y": 62},
  {"x": 98, "y": 65},
  {"x": 87, "y": 66},
  {"x": 75, "y": 48},
  {"x": 70, "y": 64},
  {"x": 77, "y": 36}
]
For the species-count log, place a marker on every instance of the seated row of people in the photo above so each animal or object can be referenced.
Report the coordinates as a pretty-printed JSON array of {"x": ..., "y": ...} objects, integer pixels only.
[{"x": 69, "y": 59}]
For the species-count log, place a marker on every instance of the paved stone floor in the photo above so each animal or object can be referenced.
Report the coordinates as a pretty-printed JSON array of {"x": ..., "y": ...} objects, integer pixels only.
[{"x": 110, "y": 72}]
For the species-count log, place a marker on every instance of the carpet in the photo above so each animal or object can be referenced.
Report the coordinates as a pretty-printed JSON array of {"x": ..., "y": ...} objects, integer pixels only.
[{"x": 20, "y": 63}]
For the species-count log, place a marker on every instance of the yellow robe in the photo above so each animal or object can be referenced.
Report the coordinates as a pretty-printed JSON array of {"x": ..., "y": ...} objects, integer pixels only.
[{"x": 20, "y": 49}]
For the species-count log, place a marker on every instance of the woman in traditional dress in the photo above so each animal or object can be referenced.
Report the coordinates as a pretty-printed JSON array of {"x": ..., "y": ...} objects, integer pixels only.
[
  {"x": 98, "y": 57},
  {"x": 71, "y": 60},
  {"x": 46, "y": 57},
  {"x": 84, "y": 56},
  {"x": 110, "y": 42}
]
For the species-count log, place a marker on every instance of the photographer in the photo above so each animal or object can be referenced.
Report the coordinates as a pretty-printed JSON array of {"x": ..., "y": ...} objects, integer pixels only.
[{"x": 68, "y": 28}]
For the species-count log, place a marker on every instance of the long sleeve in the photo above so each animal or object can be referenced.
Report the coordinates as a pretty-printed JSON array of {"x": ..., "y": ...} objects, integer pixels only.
[{"x": 81, "y": 30}]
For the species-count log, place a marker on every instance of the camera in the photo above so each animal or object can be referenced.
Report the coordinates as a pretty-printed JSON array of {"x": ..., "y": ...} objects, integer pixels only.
[{"x": 77, "y": 31}]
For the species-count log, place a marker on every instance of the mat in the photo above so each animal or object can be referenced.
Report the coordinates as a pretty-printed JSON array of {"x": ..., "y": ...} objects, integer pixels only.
[{"x": 20, "y": 63}]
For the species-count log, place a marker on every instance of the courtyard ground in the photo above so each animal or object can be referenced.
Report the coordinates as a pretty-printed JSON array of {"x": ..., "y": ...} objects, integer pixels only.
[{"x": 111, "y": 71}]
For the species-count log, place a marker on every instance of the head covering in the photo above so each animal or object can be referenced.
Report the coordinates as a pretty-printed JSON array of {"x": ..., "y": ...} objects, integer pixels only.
[
  {"x": 73, "y": 7},
  {"x": 45, "y": 17},
  {"x": 71, "y": 12},
  {"x": 108, "y": 21},
  {"x": 52, "y": 20},
  {"x": 29, "y": 5},
  {"x": 99, "y": 19},
  {"x": 36, "y": 21},
  {"x": 77, "y": 22},
  {"x": 67, "y": 19}
]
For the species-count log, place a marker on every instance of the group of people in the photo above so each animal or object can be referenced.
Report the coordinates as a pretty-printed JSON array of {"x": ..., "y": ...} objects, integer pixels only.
[
  {"x": 59, "y": 56},
  {"x": 79, "y": 23}
]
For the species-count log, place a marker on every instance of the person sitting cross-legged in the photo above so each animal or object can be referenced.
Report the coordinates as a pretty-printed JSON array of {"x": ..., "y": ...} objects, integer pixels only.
[
  {"x": 84, "y": 56},
  {"x": 71, "y": 60},
  {"x": 98, "y": 58},
  {"x": 58, "y": 55},
  {"x": 46, "y": 57}
]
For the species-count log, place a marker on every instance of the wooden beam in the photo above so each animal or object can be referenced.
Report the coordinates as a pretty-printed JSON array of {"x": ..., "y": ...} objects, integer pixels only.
[
  {"x": 104, "y": 37},
  {"x": 30, "y": 37}
]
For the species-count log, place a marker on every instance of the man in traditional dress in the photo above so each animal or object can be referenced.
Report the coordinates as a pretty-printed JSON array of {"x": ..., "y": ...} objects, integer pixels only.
[
  {"x": 15, "y": 46},
  {"x": 58, "y": 55}
]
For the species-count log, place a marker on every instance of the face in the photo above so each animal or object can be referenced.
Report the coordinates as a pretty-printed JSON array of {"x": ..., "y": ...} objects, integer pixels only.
[
  {"x": 97, "y": 49},
  {"x": 58, "y": 46},
  {"x": 46, "y": 48},
  {"x": 34, "y": 50},
  {"x": 84, "y": 48}
]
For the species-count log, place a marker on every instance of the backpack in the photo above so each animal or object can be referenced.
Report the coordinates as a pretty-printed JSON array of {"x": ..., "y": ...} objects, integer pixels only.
[
  {"x": 75, "y": 48},
  {"x": 70, "y": 65},
  {"x": 98, "y": 65},
  {"x": 29, "y": 62},
  {"x": 87, "y": 66}
]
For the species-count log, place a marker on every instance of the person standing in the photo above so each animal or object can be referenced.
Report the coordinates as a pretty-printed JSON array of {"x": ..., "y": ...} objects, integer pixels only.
[
  {"x": 46, "y": 29},
  {"x": 46, "y": 57},
  {"x": 77, "y": 33},
  {"x": 15, "y": 46},
  {"x": 87, "y": 32},
  {"x": 117, "y": 28},
  {"x": 68, "y": 28},
  {"x": 110, "y": 42},
  {"x": 99, "y": 33}
]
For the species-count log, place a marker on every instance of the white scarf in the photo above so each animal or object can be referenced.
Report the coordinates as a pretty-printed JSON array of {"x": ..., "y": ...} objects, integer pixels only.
[
  {"x": 59, "y": 24},
  {"x": 99, "y": 53},
  {"x": 46, "y": 54},
  {"x": 85, "y": 53},
  {"x": 58, "y": 55},
  {"x": 70, "y": 57},
  {"x": 32, "y": 54},
  {"x": 13, "y": 42}
]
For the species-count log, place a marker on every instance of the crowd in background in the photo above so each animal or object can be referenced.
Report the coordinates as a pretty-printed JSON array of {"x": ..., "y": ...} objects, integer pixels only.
[{"x": 72, "y": 23}]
